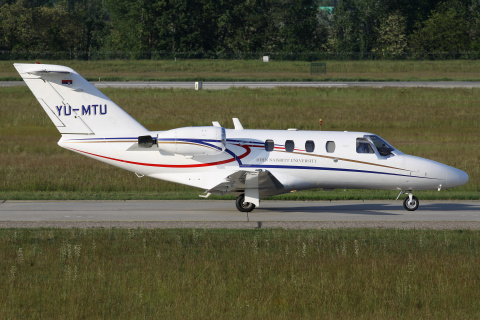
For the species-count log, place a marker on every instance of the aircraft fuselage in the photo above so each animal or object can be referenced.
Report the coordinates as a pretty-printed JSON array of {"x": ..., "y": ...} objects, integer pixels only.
[{"x": 299, "y": 160}]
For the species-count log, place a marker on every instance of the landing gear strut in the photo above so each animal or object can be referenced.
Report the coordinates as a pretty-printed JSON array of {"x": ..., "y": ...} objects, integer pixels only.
[
  {"x": 411, "y": 203},
  {"x": 243, "y": 206}
]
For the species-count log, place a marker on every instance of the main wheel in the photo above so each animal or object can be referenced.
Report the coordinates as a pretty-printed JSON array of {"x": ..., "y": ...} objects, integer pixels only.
[
  {"x": 243, "y": 206},
  {"x": 411, "y": 205}
]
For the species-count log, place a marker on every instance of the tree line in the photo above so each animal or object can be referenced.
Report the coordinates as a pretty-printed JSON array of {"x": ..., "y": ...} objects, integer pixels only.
[{"x": 285, "y": 29}]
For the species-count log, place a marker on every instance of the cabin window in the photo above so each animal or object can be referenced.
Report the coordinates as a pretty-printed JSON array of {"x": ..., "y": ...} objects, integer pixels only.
[
  {"x": 330, "y": 146},
  {"x": 309, "y": 146},
  {"x": 289, "y": 145},
  {"x": 269, "y": 145},
  {"x": 363, "y": 146}
]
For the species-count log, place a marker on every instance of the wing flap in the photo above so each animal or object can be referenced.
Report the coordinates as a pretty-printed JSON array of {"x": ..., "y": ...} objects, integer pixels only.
[{"x": 235, "y": 183}]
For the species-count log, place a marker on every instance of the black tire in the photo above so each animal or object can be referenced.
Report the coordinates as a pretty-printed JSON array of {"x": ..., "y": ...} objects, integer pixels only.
[
  {"x": 243, "y": 206},
  {"x": 411, "y": 206}
]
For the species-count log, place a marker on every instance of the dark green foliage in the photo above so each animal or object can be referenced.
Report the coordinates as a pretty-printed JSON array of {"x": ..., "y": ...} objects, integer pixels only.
[
  {"x": 285, "y": 29},
  {"x": 72, "y": 28},
  {"x": 444, "y": 31}
]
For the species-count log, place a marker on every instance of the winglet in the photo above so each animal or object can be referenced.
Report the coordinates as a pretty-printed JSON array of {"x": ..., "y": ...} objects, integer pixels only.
[{"x": 237, "y": 124}]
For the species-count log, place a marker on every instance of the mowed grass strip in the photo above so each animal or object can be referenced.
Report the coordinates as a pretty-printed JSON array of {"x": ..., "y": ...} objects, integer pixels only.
[
  {"x": 438, "y": 124},
  {"x": 256, "y": 70},
  {"x": 239, "y": 274}
]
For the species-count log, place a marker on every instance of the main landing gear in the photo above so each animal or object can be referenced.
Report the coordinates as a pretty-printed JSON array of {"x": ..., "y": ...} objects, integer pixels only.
[
  {"x": 243, "y": 206},
  {"x": 411, "y": 202}
]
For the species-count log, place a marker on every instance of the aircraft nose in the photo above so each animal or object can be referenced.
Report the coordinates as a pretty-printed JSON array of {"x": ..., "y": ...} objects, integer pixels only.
[{"x": 456, "y": 177}]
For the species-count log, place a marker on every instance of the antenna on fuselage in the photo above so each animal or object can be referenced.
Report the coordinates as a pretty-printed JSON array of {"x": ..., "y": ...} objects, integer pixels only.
[{"x": 237, "y": 125}]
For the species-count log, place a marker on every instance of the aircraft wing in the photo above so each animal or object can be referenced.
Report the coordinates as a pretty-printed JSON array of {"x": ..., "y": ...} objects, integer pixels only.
[{"x": 268, "y": 185}]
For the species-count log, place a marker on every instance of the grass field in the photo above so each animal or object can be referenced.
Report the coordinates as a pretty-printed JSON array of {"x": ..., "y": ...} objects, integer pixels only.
[
  {"x": 256, "y": 70},
  {"x": 243, "y": 274},
  {"x": 439, "y": 124}
]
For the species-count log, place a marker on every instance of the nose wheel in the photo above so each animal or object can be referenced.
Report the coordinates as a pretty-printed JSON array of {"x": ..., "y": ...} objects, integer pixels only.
[{"x": 411, "y": 203}]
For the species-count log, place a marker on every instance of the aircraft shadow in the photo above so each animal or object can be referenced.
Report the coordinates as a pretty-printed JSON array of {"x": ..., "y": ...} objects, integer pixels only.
[
  {"x": 364, "y": 209},
  {"x": 373, "y": 208},
  {"x": 450, "y": 207}
]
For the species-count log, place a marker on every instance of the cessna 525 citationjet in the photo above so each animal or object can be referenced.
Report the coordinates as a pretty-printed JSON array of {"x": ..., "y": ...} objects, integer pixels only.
[{"x": 248, "y": 163}]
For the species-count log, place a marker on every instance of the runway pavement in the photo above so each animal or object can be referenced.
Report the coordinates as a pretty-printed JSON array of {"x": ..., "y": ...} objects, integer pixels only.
[
  {"x": 223, "y": 214},
  {"x": 272, "y": 84}
]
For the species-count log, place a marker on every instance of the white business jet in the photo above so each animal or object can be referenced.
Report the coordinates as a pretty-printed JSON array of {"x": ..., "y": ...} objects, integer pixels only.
[{"x": 250, "y": 164}]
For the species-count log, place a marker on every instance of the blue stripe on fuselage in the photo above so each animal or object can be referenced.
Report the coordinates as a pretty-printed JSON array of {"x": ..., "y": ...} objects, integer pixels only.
[{"x": 330, "y": 169}]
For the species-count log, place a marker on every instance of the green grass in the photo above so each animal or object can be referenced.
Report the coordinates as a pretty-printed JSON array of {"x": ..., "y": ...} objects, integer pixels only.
[
  {"x": 438, "y": 124},
  {"x": 256, "y": 70},
  {"x": 239, "y": 274}
]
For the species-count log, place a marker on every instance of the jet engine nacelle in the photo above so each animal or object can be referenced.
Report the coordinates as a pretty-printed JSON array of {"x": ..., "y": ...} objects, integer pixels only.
[{"x": 192, "y": 141}]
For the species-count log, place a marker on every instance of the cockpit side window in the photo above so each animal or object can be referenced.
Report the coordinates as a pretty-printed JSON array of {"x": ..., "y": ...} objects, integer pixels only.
[
  {"x": 383, "y": 147},
  {"x": 364, "y": 146}
]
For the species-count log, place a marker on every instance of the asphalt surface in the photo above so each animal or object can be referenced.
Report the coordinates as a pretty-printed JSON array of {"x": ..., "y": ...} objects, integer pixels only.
[
  {"x": 251, "y": 84},
  {"x": 223, "y": 214}
]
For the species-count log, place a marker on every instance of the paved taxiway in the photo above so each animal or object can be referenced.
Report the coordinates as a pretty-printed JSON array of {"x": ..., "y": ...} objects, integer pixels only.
[
  {"x": 272, "y": 84},
  {"x": 222, "y": 214},
  {"x": 269, "y": 85}
]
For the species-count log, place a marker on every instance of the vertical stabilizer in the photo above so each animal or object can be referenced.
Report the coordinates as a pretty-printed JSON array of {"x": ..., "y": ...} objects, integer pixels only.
[{"x": 73, "y": 104}]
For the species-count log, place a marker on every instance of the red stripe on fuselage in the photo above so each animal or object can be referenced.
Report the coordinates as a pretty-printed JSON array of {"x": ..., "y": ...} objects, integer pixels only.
[{"x": 169, "y": 165}]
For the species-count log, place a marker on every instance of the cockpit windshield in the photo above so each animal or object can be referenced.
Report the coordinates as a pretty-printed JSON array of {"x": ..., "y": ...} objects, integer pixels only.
[{"x": 383, "y": 147}]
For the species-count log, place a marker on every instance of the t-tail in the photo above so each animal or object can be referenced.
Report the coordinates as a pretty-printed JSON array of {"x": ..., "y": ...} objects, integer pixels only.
[{"x": 73, "y": 104}]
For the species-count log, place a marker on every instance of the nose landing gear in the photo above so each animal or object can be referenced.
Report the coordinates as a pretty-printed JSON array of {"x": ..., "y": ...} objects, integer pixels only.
[{"x": 410, "y": 203}]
